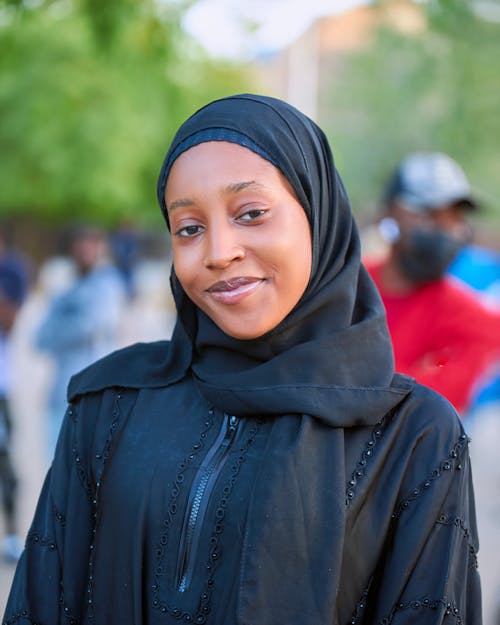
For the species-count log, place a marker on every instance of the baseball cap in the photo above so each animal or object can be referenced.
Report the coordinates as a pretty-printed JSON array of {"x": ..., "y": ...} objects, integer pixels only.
[{"x": 429, "y": 181}]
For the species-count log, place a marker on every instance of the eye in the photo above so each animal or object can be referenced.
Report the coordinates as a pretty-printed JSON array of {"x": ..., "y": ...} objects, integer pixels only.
[
  {"x": 252, "y": 215},
  {"x": 188, "y": 231}
]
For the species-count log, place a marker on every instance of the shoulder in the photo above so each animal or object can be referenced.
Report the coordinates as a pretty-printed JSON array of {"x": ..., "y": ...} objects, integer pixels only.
[
  {"x": 429, "y": 426},
  {"x": 142, "y": 365}
]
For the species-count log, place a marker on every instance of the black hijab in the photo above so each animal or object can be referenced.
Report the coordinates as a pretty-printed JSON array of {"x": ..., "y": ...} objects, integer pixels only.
[
  {"x": 328, "y": 365},
  {"x": 336, "y": 338}
]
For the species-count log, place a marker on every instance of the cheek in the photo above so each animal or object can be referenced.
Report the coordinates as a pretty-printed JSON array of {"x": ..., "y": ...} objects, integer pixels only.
[
  {"x": 185, "y": 266},
  {"x": 303, "y": 270},
  {"x": 305, "y": 254},
  {"x": 299, "y": 255}
]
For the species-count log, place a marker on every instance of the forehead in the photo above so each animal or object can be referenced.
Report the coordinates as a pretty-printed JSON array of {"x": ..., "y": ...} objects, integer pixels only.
[
  {"x": 220, "y": 164},
  {"x": 210, "y": 155}
]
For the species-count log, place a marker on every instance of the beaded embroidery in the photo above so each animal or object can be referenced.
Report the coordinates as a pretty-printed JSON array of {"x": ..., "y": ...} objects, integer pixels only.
[
  {"x": 59, "y": 516},
  {"x": 67, "y": 612},
  {"x": 22, "y": 615},
  {"x": 102, "y": 457},
  {"x": 204, "y": 603},
  {"x": 360, "y": 471},
  {"x": 360, "y": 606},
  {"x": 446, "y": 465},
  {"x": 76, "y": 456},
  {"x": 460, "y": 523},
  {"x": 34, "y": 539},
  {"x": 417, "y": 604}
]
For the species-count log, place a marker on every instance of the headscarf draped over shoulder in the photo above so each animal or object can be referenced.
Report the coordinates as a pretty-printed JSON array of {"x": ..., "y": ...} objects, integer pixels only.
[{"x": 331, "y": 358}]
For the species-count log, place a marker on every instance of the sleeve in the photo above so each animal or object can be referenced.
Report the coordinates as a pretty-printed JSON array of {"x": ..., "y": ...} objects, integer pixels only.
[
  {"x": 50, "y": 579},
  {"x": 428, "y": 574}
]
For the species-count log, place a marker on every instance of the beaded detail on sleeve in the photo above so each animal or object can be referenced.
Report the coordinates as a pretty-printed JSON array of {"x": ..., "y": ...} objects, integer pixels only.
[
  {"x": 460, "y": 523},
  {"x": 366, "y": 456},
  {"x": 451, "y": 462},
  {"x": 446, "y": 608}
]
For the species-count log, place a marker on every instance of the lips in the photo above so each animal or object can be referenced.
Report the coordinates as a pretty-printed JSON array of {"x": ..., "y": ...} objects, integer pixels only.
[{"x": 234, "y": 290}]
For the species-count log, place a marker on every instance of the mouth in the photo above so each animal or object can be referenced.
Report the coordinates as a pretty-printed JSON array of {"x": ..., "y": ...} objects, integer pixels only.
[{"x": 234, "y": 290}]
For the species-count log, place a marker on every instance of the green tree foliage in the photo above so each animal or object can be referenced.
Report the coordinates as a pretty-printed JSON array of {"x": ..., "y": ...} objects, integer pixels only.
[
  {"x": 437, "y": 89},
  {"x": 91, "y": 93}
]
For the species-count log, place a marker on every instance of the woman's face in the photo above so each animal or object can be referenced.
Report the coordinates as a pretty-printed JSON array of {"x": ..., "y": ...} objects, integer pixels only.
[{"x": 241, "y": 241}]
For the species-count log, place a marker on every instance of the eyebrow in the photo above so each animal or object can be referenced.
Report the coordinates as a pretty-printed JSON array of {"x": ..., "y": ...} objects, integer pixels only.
[
  {"x": 233, "y": 187},
  {"x": 179, "y": 204}
]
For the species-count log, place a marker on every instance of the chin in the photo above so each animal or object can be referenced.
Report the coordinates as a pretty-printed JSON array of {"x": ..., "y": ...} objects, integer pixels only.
[
  {"x": 242, "y": 335},
  {"x": 243, "y": 332},
  {"x": 243, "y": 326}
]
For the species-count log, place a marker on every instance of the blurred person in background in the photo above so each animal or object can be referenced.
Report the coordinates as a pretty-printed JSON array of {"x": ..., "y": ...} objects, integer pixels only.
[
  {"x": 14, "y": 285},
  {"x": 125, "y": 247},
  {"x": 442, "y": 334},
  {"x": 83, "y": 322},
  {"x": 479, "y": 267}
]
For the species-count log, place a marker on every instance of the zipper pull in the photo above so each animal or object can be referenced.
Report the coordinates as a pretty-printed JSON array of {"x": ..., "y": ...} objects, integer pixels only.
[{"x": 233, "y": 423}]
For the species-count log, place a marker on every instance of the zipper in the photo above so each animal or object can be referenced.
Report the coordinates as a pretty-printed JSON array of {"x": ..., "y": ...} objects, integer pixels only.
[{"x": 199, "y": 495}]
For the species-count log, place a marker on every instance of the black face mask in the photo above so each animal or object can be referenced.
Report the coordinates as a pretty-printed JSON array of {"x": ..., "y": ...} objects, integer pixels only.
[{"x": 425, "y": 255}]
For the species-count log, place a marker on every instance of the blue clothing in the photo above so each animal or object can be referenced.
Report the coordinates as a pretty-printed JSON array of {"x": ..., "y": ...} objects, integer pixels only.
[
  {"x": 14, "y": 277},
  {"x": 479, "y": 267},
  {"x": 81, "y": 326}
]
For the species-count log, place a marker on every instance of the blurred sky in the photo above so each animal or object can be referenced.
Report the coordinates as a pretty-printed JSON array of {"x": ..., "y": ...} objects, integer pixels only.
[{"x": 219, "y": 24}]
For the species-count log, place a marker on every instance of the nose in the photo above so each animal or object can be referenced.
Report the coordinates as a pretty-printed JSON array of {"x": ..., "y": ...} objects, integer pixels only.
[{"x": 222, "y": 247}]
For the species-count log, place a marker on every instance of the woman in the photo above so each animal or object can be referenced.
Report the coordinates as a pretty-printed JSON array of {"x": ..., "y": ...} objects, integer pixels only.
[{"x": 266, "y": 466}]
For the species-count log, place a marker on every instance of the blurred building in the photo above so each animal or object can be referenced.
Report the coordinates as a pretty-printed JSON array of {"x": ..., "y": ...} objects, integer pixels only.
[{"x": 304, "y": 70}]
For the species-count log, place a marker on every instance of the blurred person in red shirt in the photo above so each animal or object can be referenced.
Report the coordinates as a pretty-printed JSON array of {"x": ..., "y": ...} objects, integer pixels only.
[{"x": 442, "y": 334}]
